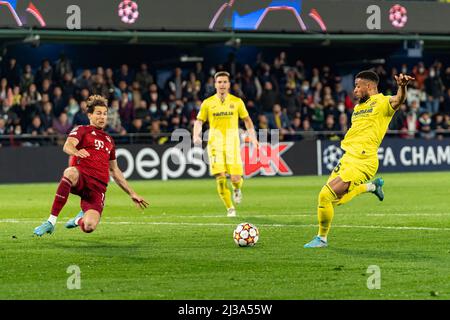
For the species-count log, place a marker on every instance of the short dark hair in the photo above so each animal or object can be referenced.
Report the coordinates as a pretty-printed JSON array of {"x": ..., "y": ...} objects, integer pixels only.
[
  {"x": 368, "y": 75},
  {"x": 221, "y": 74},
  {"x": 96, "y": 101}
]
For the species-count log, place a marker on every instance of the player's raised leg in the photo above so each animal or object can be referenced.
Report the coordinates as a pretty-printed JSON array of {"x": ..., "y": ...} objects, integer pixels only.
[
  {"x": 69, "y": 179},
  {"x": 375, "y": 187},
  {"x": 329, "y": 194}
]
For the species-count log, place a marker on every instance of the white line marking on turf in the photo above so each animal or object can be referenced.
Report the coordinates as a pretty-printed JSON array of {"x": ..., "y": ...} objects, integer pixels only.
[{"x": 233, "y": 224}]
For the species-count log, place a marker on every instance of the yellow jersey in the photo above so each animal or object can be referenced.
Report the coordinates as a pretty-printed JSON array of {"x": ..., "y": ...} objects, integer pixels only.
[
  {"x": 223, "y": 118},
  {"x": 370, "y": 121}
]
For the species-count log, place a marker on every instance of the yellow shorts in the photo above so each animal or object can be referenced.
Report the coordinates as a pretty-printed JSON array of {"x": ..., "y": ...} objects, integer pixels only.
[
  {"x": 355, "y": 170},
  {"x": 225, "y": 160}
]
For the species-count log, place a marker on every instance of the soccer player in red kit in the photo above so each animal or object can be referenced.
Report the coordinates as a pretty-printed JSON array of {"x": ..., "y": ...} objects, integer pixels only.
[{"x": 93, "y": 161}]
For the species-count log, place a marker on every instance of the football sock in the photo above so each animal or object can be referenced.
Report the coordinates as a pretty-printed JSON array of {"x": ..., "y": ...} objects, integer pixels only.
[
  {"x": 237, "y": 185},
  {"x": 362, "y": 188},
  {"x": 325, "y": 210},
  {"x": 77, "y": 221},
  {"x": 224, "y": 192},
  {"x": 81, "y": 224},
  {"x": 52, "y": 219},
  {"x": 62, "y": 193}
]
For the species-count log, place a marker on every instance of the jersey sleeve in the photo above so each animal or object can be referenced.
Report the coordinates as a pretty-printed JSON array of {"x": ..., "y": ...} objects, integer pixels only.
[
  {"x": 77, "y": 132},
  {"x": 242, "y": 110},
  {"x": 203, "y": 113},
  {"x": 112, "y": 154},
  {"x": 389, "y": 109}
]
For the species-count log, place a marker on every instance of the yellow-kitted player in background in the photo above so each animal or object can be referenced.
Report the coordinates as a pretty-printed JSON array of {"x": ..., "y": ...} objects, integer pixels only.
[
  {"x": 359, "y": 164},
  {"x": 223, "y": 111}
]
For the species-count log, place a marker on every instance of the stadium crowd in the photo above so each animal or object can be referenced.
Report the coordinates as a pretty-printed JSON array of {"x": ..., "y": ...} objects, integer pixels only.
[{"x": 302, "y": 102}]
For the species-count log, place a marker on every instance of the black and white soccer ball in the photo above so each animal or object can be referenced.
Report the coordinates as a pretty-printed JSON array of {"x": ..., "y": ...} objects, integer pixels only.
[
  {"x": 398, "y": 16},
  {"x": 331, "y": 156},
  {"x": 246, "y": 235},
  {"x": 128, "y": 11}
]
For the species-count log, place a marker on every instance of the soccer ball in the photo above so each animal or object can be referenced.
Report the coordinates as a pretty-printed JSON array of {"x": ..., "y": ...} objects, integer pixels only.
[
  {"x": 398, "y": 16},
  {"x": 128, "y": 11},
  {"x": 246, "y": 235}
]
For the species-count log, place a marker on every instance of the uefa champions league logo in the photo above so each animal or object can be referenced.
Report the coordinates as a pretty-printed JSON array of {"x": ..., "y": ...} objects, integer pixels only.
[{"x": 331, "y": 156}]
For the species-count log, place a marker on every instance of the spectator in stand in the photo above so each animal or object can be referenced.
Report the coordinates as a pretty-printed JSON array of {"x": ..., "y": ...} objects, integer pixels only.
[
  {"x": 411, "y": 126},
  {"x": 176, "y": 84},
  {"x": 278, "y": 119},
  {"x": 69, "y": 89},
  {"x": 34, "y": 96},
  {"x": 307, "y": 131},
  {"x": 441, "y": 127},
  {"x": 420, "y": 74},
  {"x": 36, "y": 128},
  {"x": 290, "y": 100},
  {"x": 58, "y": 101},
  {"x": 72, "y": 109},
  {"x": 81, "y": 118},
  {"x": 45, "y": 72},
  {"x": 434, "y": 89},
  {"x": 144, "y": 77},
  {"x": 27, "y": 78},
  {"x": 63, "y": 66},
  {"x": 426, "y": 126},
  {"x": 61, "y": 124},
  {"x": 269, "y": 98},
  {"x": 331, "y": 127},
  {"x": 47, "y": 117},
  {"x": 46, "y": 88},
  {"x": 124, "y": 74},
  {"x": 84, "y": 81},
  {"x": 126, "y": 110},
  {"x": 294, "y": 129},
  {"x": 12, "y": 73},
  {"x": 114, "y": 122},
  {"x": 6, "y": 94}
]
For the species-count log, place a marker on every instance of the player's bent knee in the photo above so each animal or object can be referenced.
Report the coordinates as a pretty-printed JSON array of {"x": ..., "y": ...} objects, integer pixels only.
[
  {"x": 326, "y": 195},
  {"x": 72, "y": 174}
]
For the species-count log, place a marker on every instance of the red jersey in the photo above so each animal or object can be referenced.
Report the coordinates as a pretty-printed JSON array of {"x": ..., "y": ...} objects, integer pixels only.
[{"x": 101, "y": 148}]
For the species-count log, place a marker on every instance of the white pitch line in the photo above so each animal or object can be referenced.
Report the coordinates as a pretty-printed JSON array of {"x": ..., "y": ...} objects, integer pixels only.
[{"x": 233, "y": 224}]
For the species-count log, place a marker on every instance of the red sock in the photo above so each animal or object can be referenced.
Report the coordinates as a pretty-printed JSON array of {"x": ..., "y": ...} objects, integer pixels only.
[
  {"x": 81, "y": 225},
  {"x": 62, "y": 194}
]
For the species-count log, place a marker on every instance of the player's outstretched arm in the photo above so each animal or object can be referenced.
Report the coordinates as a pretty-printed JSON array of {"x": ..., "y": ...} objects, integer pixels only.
[
  {"x": 118, "y": 177},
  {"x": 197, "y": 133},
  {"x": 402, "y": 81},
  {"x": 251, "y": 131}
]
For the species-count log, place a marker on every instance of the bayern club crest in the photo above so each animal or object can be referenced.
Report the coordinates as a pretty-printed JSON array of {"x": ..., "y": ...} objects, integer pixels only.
[{"x": 128, "y": 11}]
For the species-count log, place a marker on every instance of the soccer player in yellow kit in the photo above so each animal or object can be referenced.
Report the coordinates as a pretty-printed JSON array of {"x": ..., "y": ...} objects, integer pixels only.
[
  {"x": 223, "y": 111},
  {"x": 359, "y": 164}
]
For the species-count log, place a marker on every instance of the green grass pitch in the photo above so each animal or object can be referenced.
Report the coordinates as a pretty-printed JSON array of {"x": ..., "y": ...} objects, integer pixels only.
[{"x": 181, "y": 247}]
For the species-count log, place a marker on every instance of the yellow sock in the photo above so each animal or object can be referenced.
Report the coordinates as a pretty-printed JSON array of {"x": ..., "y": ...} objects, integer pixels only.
[
  {"x": 362, "y": 188},
  {"x": 325, "y": 210},
  {"x": 238, "y": 185},
  {"x": 224, "y": 192}
]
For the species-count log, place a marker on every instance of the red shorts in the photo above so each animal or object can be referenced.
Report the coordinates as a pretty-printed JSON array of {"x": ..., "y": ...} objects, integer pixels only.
[{"x": 91, "y": 191}]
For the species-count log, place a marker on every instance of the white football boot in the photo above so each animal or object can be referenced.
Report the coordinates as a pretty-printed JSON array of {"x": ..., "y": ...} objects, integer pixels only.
[
  {"x": 237, "y": 196},
  {"x": 231, "y": 212}
]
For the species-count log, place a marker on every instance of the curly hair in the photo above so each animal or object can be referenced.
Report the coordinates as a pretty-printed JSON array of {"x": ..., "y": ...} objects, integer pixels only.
[{"x": 96, "y": 101}]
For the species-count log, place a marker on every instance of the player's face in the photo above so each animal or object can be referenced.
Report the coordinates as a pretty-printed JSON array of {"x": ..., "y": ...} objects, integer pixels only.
[
  {"x": 222, "y": 85},
  {"x": 98, "y": 117},
  {"x": 361, "y": 91}
]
